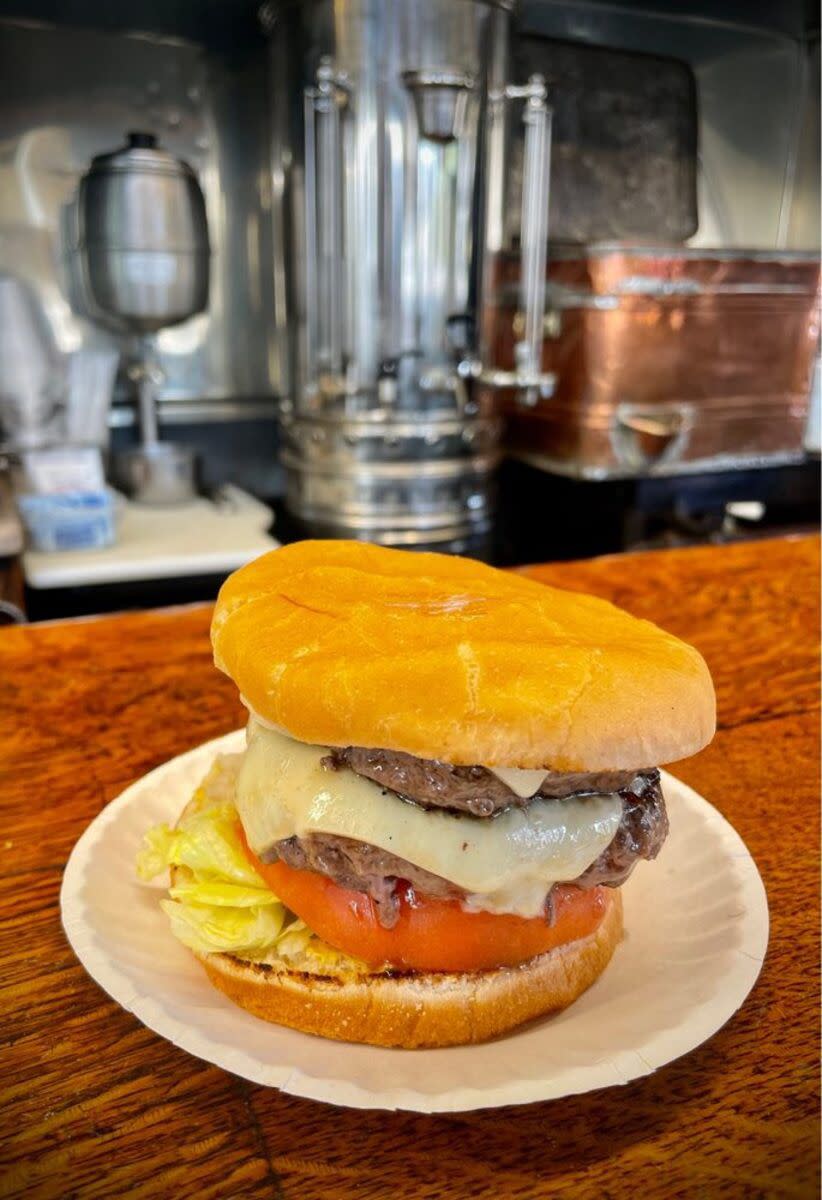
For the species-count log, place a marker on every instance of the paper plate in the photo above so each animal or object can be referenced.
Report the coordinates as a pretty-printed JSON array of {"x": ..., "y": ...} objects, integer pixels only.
[{"x": 697, "y": 931}]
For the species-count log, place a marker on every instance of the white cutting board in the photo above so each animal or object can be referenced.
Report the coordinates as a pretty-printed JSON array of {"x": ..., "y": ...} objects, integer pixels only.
[{"x": 203, "y": 537}]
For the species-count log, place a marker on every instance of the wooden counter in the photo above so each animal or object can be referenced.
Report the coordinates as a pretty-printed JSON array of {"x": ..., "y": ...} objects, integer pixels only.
[{"x": 94, "y": 1105}]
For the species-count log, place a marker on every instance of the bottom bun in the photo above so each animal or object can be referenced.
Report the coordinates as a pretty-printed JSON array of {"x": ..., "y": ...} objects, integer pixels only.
[{"x": 418, "y": 1010}]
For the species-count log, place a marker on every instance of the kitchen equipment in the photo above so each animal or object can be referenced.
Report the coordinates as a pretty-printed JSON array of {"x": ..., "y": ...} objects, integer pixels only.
[
  {"x": 90, "y": 383},
  {"x": 159, "y": 473},
  {"x": 141, "y": 238},
  {"x": 32, "y": 370},
  {"x": 11, "y": 530},
  {"x": 62, "y": 498},
  {"x": 141, "y": 255},
  {"x": 625, "y": 143},
  {"x": 153, "y": 472},
  {"x": 70, "y": 90},
  {"x": 68, "y": 521},
  {"x": 401, "y": 478},
  {"x": 668, "y": 359},
  {"x": 390, "y": 143}
]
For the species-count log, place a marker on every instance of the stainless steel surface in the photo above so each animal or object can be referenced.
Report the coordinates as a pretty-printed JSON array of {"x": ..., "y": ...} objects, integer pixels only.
[
  {"x": 159, "y": 474},
  {"x": 206, "y": 412},
  {"x": 140, "y": 247},
  {"x": 398, "y": 503},
  {"x": 146, "y": 375},
  {"x": 536, "y": 180},
  {"x": 625, "y": 142},
  {"x": 70, "y": 94},
  {"x": 327, "y": 442},
  {"x": 11, "y": 529},
  {"x": 141, "y": 259},
  {"x": 397, "y": 478},
  {"x": 752, "y": 88},
  {"x": 32, "y": 372},
  {"x": 799, "y": 217},
  {"x": 390, "y": 123},
  {"x": 383, "y": 206},
  {"x": 528, "y": 379}
]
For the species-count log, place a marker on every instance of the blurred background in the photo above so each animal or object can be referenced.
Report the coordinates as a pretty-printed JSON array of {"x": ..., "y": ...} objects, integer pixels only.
[{"x": 524, "y": 282}]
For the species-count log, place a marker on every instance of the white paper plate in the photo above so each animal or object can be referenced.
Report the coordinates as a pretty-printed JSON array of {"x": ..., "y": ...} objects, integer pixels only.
[{"x": 697, "y": 931}]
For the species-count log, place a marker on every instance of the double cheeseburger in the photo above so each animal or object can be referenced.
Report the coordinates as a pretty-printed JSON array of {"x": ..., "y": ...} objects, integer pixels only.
[{"x": 449, "y": 773}]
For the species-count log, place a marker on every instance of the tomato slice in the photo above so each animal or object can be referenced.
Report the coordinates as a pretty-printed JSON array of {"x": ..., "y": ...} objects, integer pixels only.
[{"x": 430, "y": 935}]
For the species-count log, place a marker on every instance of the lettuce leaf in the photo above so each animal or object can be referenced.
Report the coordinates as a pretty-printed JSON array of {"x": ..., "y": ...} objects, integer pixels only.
[
  {"x": 207, "y": 843},
  {"x": 207, "y": 928},
  {"x": 218, "y": 902},
  {"x": 218, "y": 894}
]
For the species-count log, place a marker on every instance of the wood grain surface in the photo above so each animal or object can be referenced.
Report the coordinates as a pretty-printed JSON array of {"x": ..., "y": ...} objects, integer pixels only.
[{"x": 94, "y": 1105}]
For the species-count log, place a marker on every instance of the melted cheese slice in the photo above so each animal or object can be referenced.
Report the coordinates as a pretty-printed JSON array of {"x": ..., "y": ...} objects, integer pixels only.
[
  {"x": 506, "y": 864},
  {"x": 522, "y": 783}
]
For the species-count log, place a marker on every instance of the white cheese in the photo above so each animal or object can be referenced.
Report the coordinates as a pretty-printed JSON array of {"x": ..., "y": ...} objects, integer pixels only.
[
  {"x": 256, "y": 717},
  {"x": 507, "y": 863},
  {"x": 522, "y": 783}
]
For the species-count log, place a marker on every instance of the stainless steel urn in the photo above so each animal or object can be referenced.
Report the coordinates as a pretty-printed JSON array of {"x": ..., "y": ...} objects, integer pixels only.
[
  {"x": 139, "y": 262},
  {"x": 141, "y": 238},
  {"x": 390, "y": 136}
]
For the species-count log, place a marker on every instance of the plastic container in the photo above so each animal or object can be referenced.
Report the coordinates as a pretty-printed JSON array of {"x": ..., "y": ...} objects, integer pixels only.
[{"x": 68, "y": 520}]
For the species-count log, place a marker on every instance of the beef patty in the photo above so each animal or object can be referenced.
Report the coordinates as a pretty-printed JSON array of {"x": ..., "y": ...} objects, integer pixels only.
[
  {"x": 365, "y": 868},
  {"x": 474, "y": 790}
]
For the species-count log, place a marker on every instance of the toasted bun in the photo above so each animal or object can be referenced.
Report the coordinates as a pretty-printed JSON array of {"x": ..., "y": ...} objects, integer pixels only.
[
  {"x": 419, "y": 1010},
  {"x": 343, "y": 643}
]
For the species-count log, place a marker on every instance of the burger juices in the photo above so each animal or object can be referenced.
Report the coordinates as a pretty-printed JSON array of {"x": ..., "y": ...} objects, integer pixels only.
[{"x": 450, "y": 772}]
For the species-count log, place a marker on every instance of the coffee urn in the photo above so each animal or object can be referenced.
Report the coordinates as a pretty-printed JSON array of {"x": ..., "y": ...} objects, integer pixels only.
[{"x": 391, "y": 123}]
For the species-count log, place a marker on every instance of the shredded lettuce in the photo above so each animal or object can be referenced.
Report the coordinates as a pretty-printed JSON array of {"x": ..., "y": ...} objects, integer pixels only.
[
  {"x": 218, "y": 902},
  {"x": 207, "y": 844},
  {"x": 247, "y": 932}
]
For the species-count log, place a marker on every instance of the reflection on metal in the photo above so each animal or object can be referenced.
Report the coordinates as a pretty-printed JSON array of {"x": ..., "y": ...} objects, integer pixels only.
[
  {"x": 141, "y": 260},
  {"x": 755, "y": 77},
  {"x": 204, "y": 110},
  {"x": 204, "y": 412},
  {"x": 650, "y": 436},
  {"x": 393, "y": 164},
  {"x": 440, "y": 102},
  {"x": 139, "y": 241},
  {"x": 669, "y": 359}
]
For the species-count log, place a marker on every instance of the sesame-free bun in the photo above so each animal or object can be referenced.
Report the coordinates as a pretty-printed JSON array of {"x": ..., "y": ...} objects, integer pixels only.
[
  {"x": 419, "y": 1009},
  {"x": 344, "y": 643}
]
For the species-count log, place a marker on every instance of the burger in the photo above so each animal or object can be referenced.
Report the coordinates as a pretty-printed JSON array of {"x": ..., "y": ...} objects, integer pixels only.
[{"x": 449, "y": 773}]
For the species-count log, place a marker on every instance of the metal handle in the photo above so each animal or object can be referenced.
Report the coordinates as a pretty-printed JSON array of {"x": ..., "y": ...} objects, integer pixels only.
[
  {"x": 527, "y": 375},
  {"x": 324, "y": 220},
  {"x": 645, "y": 436},
  {"x": 536, "y": 182}
]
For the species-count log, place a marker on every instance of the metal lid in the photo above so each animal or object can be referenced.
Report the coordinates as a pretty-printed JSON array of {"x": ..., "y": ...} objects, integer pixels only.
[{"x": 142, "y": 153}]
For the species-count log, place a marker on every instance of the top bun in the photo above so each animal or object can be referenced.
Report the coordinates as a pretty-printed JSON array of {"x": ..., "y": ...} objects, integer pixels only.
[{"x": 343, "y": 643}]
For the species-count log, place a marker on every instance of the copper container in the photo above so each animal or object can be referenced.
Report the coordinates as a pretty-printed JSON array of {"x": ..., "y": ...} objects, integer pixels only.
[{"x": 668, "y": 360}]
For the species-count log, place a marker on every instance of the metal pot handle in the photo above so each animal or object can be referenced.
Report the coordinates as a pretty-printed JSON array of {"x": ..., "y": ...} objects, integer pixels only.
[
  {"x": 527, "y": 377},
  {"x": 647, "y": 437}
]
